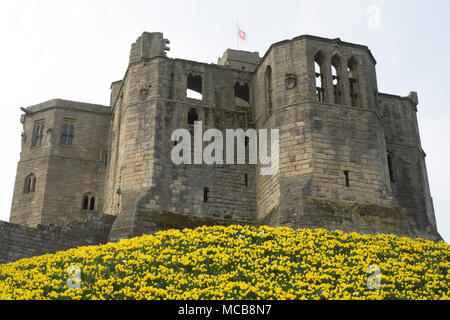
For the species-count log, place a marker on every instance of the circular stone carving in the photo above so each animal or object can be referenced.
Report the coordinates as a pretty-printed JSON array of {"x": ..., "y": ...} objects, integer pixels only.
[{"x": 291, "y": 81}]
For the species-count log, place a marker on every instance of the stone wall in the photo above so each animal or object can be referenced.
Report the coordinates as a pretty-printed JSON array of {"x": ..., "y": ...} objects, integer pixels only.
[
  {"x": 409, "y": 178},
  {"x": 18, "y": 242}
]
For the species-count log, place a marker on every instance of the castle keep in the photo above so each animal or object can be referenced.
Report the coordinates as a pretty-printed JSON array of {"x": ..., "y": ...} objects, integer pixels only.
[{"x": 350, "y": 157}]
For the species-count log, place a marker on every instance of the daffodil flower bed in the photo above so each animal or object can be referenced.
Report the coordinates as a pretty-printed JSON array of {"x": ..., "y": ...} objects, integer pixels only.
[{"x": 237, "y": 262}]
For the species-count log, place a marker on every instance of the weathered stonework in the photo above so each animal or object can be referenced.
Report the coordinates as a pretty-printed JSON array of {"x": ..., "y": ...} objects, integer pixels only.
[
  {"x": 350, "y": 156},
  {"x": 19, "y": 242}
]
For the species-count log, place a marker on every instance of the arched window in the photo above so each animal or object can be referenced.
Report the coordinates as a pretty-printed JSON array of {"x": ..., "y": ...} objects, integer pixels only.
[
  {"x": 92, "y": 204},
  {"x": 319, "y": 72},
  {"x": 30, "y": 184},
  {"x": 85, "y": 202},
  {"x": 192, "y": 117},
  {"x": 268, "y": 85},
  {"x": 354, "y": 84},
  {"x": 38, "y": 135},
  {"x": 88, "y": 202},
  {"x": 336, "y": 71}
]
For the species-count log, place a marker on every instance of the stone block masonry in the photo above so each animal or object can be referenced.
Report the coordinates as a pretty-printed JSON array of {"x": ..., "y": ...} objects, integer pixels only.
[
  {"x": 350, "y": 156},
  {"x": 19, "y": 242}
]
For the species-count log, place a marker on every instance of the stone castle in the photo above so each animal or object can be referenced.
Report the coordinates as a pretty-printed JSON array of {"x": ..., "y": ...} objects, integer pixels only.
[{"x": 350, "y": 157}]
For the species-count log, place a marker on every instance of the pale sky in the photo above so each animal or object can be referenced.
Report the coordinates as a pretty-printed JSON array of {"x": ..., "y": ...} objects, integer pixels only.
[{"x": 74, "y": 50}]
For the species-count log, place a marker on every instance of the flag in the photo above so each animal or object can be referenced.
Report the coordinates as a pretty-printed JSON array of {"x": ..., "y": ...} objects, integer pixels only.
[{"x": 242, "y": 34}]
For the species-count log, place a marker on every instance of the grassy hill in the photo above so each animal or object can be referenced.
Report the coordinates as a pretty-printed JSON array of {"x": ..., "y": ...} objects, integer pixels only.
[{"x": 238, "y": 263}]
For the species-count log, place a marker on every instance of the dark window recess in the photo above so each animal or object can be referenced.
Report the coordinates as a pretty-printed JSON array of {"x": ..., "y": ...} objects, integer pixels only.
[
  {"x": 30, "y": 184},
  {"x": 192, "y": 116},
  {"x": 89, "y": 202},
  {"x": 105, "y": 159},
  {"x": 194, "y": 83},
  {"x": 347, "y": 178},
  {"x": 86, "y": 202},
  {"x": 92, "y": 206},
  {"x": 242, "y": 92},
  {"x": 353, "y": 94},
  {"x": 205, "y": 195},
  {"x": 247, "y": 141},
  {"x": 390, "y": 160},
  {"x": 269, "y": 88},
  {"x": 246, "y": 179}
]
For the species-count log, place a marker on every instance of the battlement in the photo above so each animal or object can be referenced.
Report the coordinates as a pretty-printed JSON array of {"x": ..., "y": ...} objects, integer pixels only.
[
  {"x": 241, "y": 60},
  {"x": 147, "y": 46}
]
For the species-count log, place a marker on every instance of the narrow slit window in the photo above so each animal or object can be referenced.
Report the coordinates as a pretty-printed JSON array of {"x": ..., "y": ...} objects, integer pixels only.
[
  {"x": 205, "y": 195},
  {"x": 268, "y": 83},
  {"x": 105, "y": 159},
  {"x": 246, "y": 179},
  {"x": 347, "y": 178}
]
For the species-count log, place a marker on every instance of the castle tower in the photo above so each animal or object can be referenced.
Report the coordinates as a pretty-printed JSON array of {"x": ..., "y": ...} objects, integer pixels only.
[
  {"x": 146, "y": 190},
  {"x": 62, "y": 165},
  {"x": 335, "y": 170}
]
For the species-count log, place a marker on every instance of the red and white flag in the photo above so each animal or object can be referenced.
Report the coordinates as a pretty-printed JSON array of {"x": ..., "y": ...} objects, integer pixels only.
[{"x": 242, "y": 35}]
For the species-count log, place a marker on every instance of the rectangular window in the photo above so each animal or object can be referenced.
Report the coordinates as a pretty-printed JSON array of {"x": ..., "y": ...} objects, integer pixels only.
[
  {"x": 205, "y": 195},
  {"x": 68, "y": 132},
  {"x": 38, "y": 134}
]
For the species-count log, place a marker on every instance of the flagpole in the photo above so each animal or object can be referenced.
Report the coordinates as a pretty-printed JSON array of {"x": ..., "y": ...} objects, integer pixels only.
[{"x": 237, "y": 33}]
